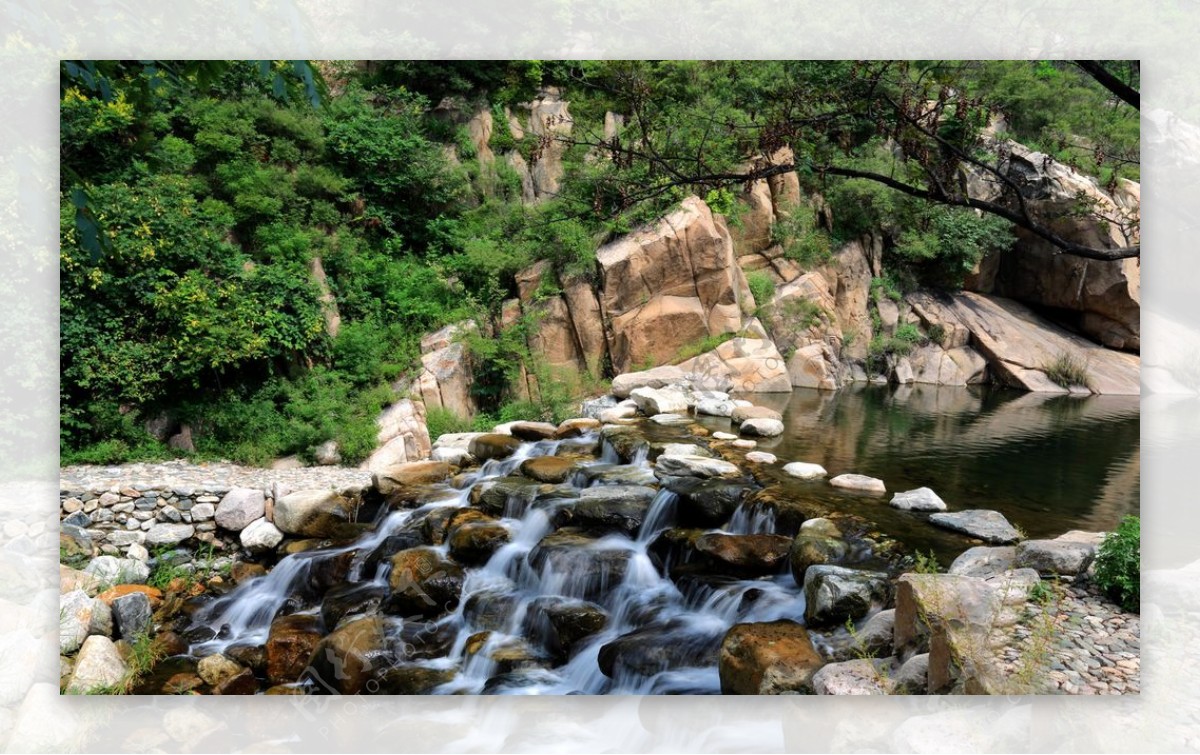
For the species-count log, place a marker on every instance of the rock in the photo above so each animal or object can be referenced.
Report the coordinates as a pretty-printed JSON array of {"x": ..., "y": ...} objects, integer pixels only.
[
  {"x": 290, "y": 644},
  {"x": 260, "y": 535},
  {"x": 805, "y": 470},
  {"x": 446, "y": 377},
  {"x": 715, "y": 407},
  {"x": 327, "y": 454},
  {"x": 423, "y": 583},
  {"x": 1055, "y": 558},
  {"x": 761, "y": 427},
  {"x": 531, "y": 431},
  {"x": 408, "y": 679},
  {"x": 569, "y": 622},
  {"x": 814, "y": 550},
  {"x": 746, "y": 365},
  {"x": 619, "y": 507},
  {"x": 986, "y": 525},
  {"x": 138, "y": 552},
  {"x": 834, "y": 593},
  {"x": 239, "y": 507},
  {"x": 819, "y": 526},
  {"x": 408, "y": 474},
  {"x": 694, "y": 466},
  {"x": 949, "y": 616},
  {"x": 876, "y": 636},
  {"x": 169, "y": 534},
  {"x": 72, "y": 579},
  {"x": 668, "y": 285},
  {"x": 216, "y": 668},
  {"x": 75, "y": 542},
  {"x": 670, "y": 419},
  {"x": 659, "y": 377},
  {"x": 242, "y": 571},
  {"x": 402, "y": 436},
  {"x": 550, "y": 469},
  {"x": 241, "y": 683},
  {"x": 202, "y": 512},
  {"x": 761, "y": 457},
  {"x": 493, "y": 446},
  {"x": 132, "y": 615},
  {"x": 110, "y": 570},
  {"x": 475, "y": 542},
  {"x": 984, "y": 561},
  {"x": 98, "y": 667},
  {"x": 346, "y": 659},
  {"x": 912, "y": 677},
  {"x": 748, "y": 555},
  {"x": 153, "y": 594},
  {"x": 656, "y": 648},
  {"x": 706, "y": 502},
  {"x": 682, "y": 449},
  {"x": 742, "y": 413},
  {"x": 921, "y": 499},
  {"x": 353, "y": 599},
  {"x": 724, "y": 436},
  {"x": 313, "y": 513},
  {"x": 573, "y": 428},
  {"x": 858, "y": 482},
  {"x": 767, "y": 659},
  {"x": 79, "y": 617},
  {"x": 653, "y": 401},
  {"x": 861, "y": 676},
  {"x": 585, "y": 568}
]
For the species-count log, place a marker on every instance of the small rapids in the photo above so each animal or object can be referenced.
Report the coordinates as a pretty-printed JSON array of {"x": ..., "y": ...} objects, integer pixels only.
[{"x": 556, "y": 609}]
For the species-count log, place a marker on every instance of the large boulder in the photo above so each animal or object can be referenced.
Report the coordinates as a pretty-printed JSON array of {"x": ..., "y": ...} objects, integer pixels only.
[
  {"x": 493, "y": 446},
  {"x": 392, "y": 478},
  {"x": 567, "y": 330},
  {"x": 345, "y": 660},
  {"x": 79, "y": 617},
  {"x": 402, "y": 436},
  {"x": 290, "y": 644},
  {"x": 1063, "y": 558},
  {"x": 767, "y": 659},
  {"x": 652, "y": 401},
  {"x": 314, "y": 513},
  {"x": 424, "y": 583},
  {"x": 669, "y": 285},
  {"x": 446, "y": 377},
  {"x": 743, "y": 555},
  {"x": 617, "y": 507},
  {"x": 240, "y": 507},
  {"x": 833, "y": 594},
  {"x": 985, "y": 524},
  {"x": 746, "y": 365},
  {"x": 658, "y": 377}
]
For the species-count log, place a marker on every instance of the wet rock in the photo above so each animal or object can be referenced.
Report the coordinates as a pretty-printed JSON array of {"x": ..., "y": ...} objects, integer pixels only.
[
  {"x": 586, "y": 568},
  {"x": 715, "y": 407},
  {"x": 532, "y": 431},
  {"x": 423, "y": 583},
  {"x": 490, "y": 609},
  {"x": 563, "y": 624},
  {"x": 744, "y": 555},
  {"x": 216, "y": 668},
  {"x": 820, "y": 526},
  {"x": 573, "y": 428},
  {"x": 679, "y": 449},
  {"x": 314, "y": 513},
  {"x": 858, "y": 482},
  {"x": 351, "y": 600},
  {"x": 110, "y": 570},
  {"x": 984, "y": 561},
  {"x": 453, "y": 448},
  {"x": 242, "y": 571},
  {"x": 650, "y": 650},
  {"x": 989, "y": 526},
  {"x": 761, "y": 457},
  {"x": 252, "y": 656},
  {"x": 260, "y": 536},
  {"x": 814, "y": 550},
  {"x": 782, "y": 506},
  {"x": 694, "y": 466},
  {"x": 671, "y": 419},
  {"x": 861, "y": 676},
  {"x": 345, "y": 660},
  {"x": 552, "y": 469},
  {"x": 833, "y": 593},
  {"x": 1055, "y": 557},
  {"x": 615, "y": 474},
  {"x": 627, "y": 443},
  {"x": 719, "y": 435},
  {"x": 475, "y": 542},
  {"x": 131, "y": 615},
  {"x": 761, "y": 427},
  {"x": 409, "y": 474},
  {"x": 164, "y": 534},
  {"x": 742, "y": 413},
  {"x": 240, "y": 507},
  {"x": 181, "y": 684},
  {"x": 168, "y": 644},
  {"x": 706, "y": 503},
  {"x": 290, "y": 643},
  {"x": 493, "y": 446},
  {"x": 613, "y": 507},
  {"x": 242, "y": 683},
  {"x": 507, "y": 654},
  {"x": 921, "y": 499},
  {"x": 98, "y": 667},
  {"x": 423, "y": 640},
  {"x": 767, "y": 659},
  {"x": 411, "y": 679},
  {"x": 652, "y": 401}
]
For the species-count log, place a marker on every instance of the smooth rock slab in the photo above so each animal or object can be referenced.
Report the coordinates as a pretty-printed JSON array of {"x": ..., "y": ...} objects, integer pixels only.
[
  {"x": 921, "y": 499},
  {"x": 762, "y": 427},
  {"x": 859, "y": 482},
  {"x": 694, "y": 466},
  {"x": 987, "y": 525},
  {"x": 804, "y": 470}
]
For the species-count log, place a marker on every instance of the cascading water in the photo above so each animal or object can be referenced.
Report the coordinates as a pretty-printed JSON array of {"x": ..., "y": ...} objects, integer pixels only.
[{"x": 665, "y": 637}]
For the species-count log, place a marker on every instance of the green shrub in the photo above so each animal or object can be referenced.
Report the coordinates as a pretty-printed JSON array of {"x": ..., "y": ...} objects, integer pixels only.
[
  {"x": 1118, "y": 564},
  {"x": 706, "y": 344},
  {"x": 762, "y": 288},
  {"x": 1066, "y": 370},
  {"x": 440, "y": 421}
]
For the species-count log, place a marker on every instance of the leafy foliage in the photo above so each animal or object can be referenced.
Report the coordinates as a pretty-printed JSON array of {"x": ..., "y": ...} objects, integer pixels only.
[{"x": 1118, "y": 564}]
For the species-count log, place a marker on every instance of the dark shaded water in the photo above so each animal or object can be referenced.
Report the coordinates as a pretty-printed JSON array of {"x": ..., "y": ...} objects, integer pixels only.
[{"x": 1049, "y": 463}]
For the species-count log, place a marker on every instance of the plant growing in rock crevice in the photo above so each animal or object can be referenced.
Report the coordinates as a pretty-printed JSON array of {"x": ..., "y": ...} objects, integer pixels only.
[{"x": 1067, "y": 370}]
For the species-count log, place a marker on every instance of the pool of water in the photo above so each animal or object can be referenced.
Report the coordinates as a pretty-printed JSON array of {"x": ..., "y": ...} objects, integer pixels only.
[{"x": 1049, "y": 463}]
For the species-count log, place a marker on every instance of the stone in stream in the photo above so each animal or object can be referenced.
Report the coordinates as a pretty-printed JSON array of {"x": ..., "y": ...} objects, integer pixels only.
[
  {"x": 345, "y": 660},
  {"x": 473, "y": 543},
  {"x": 921, "y": 499},
  {"x": 424, "y": 583},
  {"x": 350, "y": 599},
  {"x": 290, "y": 644},
  {"x": 719, "y": 435},
  {"x": 743, "y": 555},
  {"x": 490, "y": 609},
  {"x": 507, "y": 654},
  {"x": 742, "y": 413},
  {"x": 650, "y": 650},
  {"x": 744, "y": 443},
  {"x": 624, "y": 384},
  {"x": 573, "y": 428},
  {"x": 408, "y": 474},
  {"x": 553, "y": 469},
  {"x": 767, "y": 659},
  {"x": 533, "y": 431},
  {"x": 715, "y": 407},
  {"x": 762, "y": 427},
  {"x": 613, "y": 507},
  {"x": 858, "y": 482},
  {"x": 834, "y": 593},
  {"x": 391, "y": 545},
  {"x": 706, "y": 502},
  {"x": 242, "y": 683},
  {"x": 314, "y": 513},
  {"x": 216, "y": 668},
  {"x": 670, "y": 419},
  {"x": 761, "y": 457},
  {"x": 453, "y": 448},
  {"x": 989, "y": 526},
  {"x": 621, "y": 412},
  {"x": 413, "y": 679},
  {"x": 625, "y": 442},
  {"x": 493, "y": 446},
  {"x": 561, "y": 624},
  {"x": 820, "y": 526},
  {"x": 653, "y": 401},
  {"x": 804, "y": 470},
  {"x": 1055, "y": 557},
  {"x": 814, "y": 550},
  {"x": 861, "y": 676},
  {"x": 98, "y": 667},
  {"x": 132, "y": 615},
  {"x": 680, "y": 449},
  {"x": 260, "y": 535},
  {"x": 615, "y": 474},
  {"x": 694, "y": 466},
  {"x": 586, "y": 569},
  {"x": 240, "y": 507},
  {"x": 984, "y": 561}
]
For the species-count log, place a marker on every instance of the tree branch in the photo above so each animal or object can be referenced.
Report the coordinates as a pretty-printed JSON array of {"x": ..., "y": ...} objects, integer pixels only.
[{"x": 1104, "y": 78}]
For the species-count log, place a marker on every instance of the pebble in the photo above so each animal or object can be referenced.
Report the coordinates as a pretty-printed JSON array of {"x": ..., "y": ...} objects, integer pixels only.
[{"x": 183, "y": 476}]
